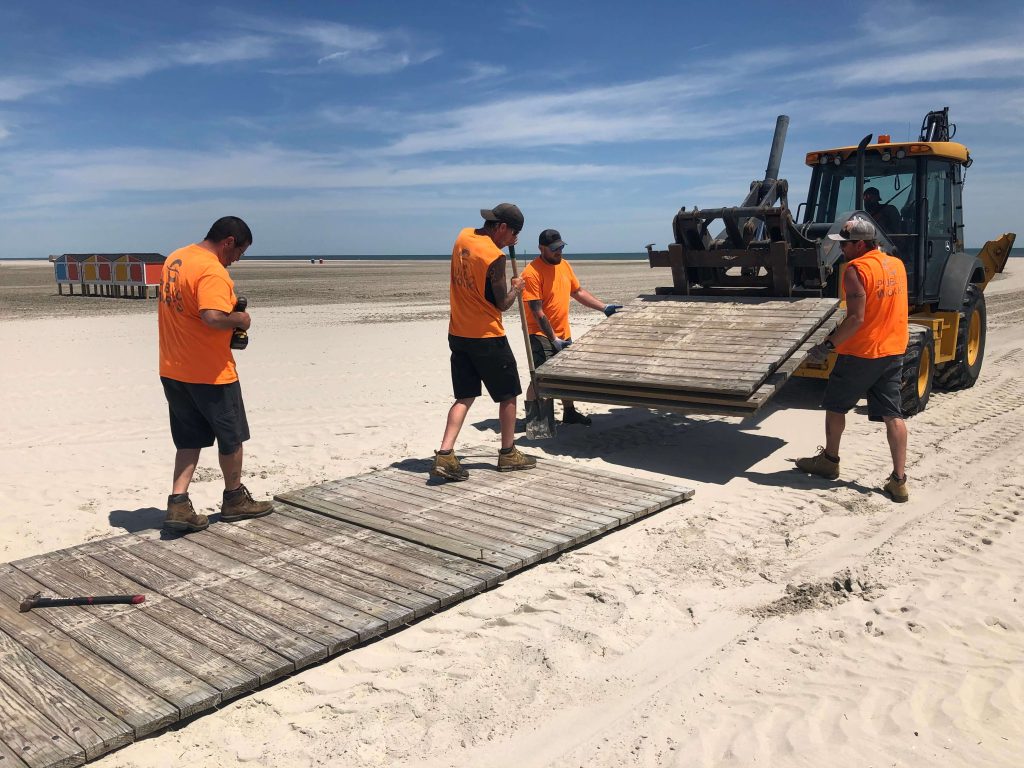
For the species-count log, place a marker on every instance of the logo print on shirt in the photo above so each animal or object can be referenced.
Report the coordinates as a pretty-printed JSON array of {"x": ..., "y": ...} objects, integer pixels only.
[
  {"x": 463, "y": 274},
  {"x": 170, "y": 291}
]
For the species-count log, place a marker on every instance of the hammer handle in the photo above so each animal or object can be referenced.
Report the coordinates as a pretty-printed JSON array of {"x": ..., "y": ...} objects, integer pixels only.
[{"x": 57, "y": 602}]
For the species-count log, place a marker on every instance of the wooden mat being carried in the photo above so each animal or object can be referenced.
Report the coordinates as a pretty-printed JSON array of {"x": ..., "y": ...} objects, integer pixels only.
[{"x": 685, "y": 353}]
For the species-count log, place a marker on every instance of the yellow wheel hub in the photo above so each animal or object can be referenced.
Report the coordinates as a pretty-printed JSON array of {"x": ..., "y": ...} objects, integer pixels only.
[
  {"x": 973, "y": 338},
  {"x": 923, "y": 369}
]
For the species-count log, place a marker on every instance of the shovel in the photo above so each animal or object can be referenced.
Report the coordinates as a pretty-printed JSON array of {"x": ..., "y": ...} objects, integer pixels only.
[{"x": 540, "y": 424}]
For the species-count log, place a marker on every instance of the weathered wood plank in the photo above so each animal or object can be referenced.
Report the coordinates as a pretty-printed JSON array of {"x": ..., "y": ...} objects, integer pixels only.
[
  {"x": 450, "y": 568},
  {"x": 711, "y": 385},
  {"x": 36, "y": 740},
  {"x": 181, "y": 579},
  {"x": 651, "y": 489},
  {"x": 357, "y": 516},
  {"x": 91, "y": 726},
  {"x": 523, "y": 490},
  {"x": 121, "y": 694},
  {"x": 501, "y": 504},
  {"x": 9, "y": 759},
  {"x": 273, "y": 597},
  {"x": 262, "y": 662},
  {"x": 325, "y": 587},
  {"x": 186, "y": 691},
  {"x": 350, "y": 559},
  {"x": 79, "y": 574},
  {"x": 504, "y": 522},
  {"x": 406, "y": 511},
  {"x": 513, "y": 489},
  {"x": 496, "y": 553}
]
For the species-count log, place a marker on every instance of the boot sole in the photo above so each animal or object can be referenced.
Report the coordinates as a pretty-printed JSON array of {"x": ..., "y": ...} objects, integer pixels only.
[
  {"x": 176, "y": 525},
  {"x": 818, "y": 474},
  {"x": 515, "y": 469},
  {"x": 237, "y": 518},
  {"x": 446, "y": 476}
]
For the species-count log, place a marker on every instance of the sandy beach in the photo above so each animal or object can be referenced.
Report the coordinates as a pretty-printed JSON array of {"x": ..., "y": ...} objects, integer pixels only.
[{"x": 710, "y": 634}]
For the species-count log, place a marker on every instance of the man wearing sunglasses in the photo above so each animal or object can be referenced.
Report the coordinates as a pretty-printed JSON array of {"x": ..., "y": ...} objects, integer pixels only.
[
  {"x": 549, "y": 281},
  {"x": 481, "y": 354},
  {"x": 870, "y": 343}
]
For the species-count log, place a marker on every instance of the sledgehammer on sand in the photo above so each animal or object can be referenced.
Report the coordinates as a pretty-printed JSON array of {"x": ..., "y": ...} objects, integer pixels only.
[{"x": 38, "y": 601}]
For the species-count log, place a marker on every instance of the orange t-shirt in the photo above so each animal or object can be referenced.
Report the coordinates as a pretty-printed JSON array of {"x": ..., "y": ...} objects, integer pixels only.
[
  {"x": 550, "y": 284},
  {"x": 473, "y": 315},
  {"x": 884, "y": 331},
  {"x": 191, "y": 351}
]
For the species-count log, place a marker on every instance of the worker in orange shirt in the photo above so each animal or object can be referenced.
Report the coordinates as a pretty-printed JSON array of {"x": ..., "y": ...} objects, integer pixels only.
[
  {"x": 549, "y": 281},
  {"x": 196, "y": 318},
  {"x": 870, "y": 343},
  {"x": 480, "y": 352}
]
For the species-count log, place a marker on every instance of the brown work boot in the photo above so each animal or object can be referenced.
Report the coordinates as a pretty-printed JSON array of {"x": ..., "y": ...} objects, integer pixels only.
[
  {"x": 182, "y": 516},
  {"x": 515, "y": 459},
  {"x": 820, "y": 465},
  {"x": 572, "y": 416},
  {"x": 240, "y": 505},
  {"x": 897, "y": 488},
  {"x": 447, "y": 465}
]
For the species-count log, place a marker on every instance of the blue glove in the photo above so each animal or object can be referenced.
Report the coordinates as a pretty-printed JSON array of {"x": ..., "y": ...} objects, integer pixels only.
[
  {"x": 560, "y": 344},
  {"x": 611, "y": 309}
]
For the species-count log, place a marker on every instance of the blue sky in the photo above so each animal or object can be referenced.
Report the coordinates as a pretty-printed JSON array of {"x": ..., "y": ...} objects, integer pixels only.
[{"x": 383, "y": 127}]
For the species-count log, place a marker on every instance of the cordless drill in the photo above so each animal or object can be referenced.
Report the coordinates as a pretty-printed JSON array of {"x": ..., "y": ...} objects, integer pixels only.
[{"x": 240, "y": 338}]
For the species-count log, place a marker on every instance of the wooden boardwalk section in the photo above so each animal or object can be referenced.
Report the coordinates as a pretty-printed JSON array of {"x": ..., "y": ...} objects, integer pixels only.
[
  {"x": 718, "y": 354},
  {"x": 240, "y": 605}
]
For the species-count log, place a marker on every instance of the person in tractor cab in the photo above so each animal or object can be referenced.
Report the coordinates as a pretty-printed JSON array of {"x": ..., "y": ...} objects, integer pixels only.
[
  {"x": 887, "y": 216},
  {"x": 870, "y": 343}
]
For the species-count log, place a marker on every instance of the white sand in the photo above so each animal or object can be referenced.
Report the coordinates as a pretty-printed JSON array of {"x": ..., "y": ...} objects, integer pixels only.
[{"x": 670, "y": 643}]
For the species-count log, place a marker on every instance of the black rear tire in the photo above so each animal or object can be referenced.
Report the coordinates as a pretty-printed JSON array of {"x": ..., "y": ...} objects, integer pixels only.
[
  {"x": 918, "y": 370},
  {"x": 963, "y": 370}
]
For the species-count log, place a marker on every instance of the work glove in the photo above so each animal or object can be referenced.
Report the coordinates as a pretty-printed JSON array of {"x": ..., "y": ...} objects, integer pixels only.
[
  {"x": 611, "y": 309},
  {"x": 819, "y": 353},
  {"x": 560, "y": 344}
]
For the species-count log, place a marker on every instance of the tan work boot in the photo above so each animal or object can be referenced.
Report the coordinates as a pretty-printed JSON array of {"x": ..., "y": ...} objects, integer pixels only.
[
  {"x": 240, "y": 505},
  {"x": 820, "y": 465},
  {"x": 447, "y": 465},
  {"x": 182, "y": 516},
  {"x": 897, "y": 488},
  {"x": 515, "y": 459}
]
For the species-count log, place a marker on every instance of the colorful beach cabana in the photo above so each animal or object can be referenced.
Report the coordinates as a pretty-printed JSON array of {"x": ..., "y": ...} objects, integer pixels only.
[{"x": 108, "y": 274}]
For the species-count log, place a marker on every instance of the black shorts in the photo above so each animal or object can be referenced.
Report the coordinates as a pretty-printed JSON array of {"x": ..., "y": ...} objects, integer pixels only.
[
  {"x": 488, "y": 361},
  {"x": 202, "y": 412},
  {"x": 853, "y": 377},
  {"x": 542, "y": 348}
]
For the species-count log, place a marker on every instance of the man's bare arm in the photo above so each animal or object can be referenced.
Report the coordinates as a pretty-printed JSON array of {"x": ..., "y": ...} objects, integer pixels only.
[
  {"x": 537, "y": 308},
  {"x": 856, "y": 298},
  {"x": 503, "y": 296},
  {"x": 225, "y": 321},
  {"x": 587, "y": 299}
]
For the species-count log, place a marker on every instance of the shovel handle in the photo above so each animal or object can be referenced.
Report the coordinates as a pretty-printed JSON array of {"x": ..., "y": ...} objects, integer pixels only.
[{"x": 522, "y": 318}]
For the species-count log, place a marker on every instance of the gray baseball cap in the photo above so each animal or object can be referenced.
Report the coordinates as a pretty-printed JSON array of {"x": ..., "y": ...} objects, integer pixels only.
[
  {"x": 857, "y": 228},
  {"x": 506, "y": 213}
]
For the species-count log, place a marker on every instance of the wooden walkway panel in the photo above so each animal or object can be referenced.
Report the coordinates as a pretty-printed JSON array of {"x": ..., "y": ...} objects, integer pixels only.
[
  {"x": 506, "y": 520},
  {"x": 239, "y": 605},
  {"x": 724, "y": 355}
]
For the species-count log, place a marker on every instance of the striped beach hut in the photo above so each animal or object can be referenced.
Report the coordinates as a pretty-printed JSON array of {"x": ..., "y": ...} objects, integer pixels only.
[
  {"x": 108, "y": 274},
  {"x": 67, "y": 270}
]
